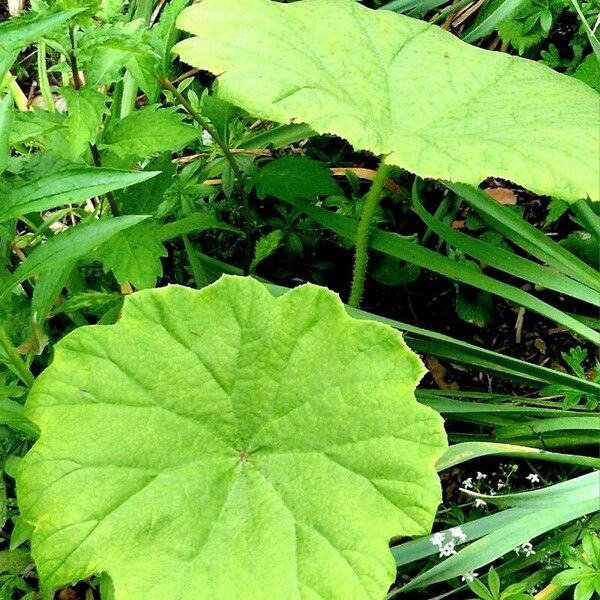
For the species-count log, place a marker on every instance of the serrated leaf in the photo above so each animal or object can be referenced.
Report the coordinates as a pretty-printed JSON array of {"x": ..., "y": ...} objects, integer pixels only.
[
  {"x": 17, "y": 33},
  {"x": 164, "y": 34},
  {"x": 148, "y": 131},
  {"x": 133, "y": 255},
  {"x": 68, "y": 185},
  {"x": 402, "y": 88},
  {"x": 589, "y": 72},
  {"x": 85, "y": 109},
  {"x": 223, "y": 422},
  {"x": 146, "y": 198},
  {"x": 265, "y": 246},
  {"x": 35, "y": 124},
  {"x": 106, "y": 51},
  {"x": 293, "y": 177},
  {"x": 524, "y": 29}
]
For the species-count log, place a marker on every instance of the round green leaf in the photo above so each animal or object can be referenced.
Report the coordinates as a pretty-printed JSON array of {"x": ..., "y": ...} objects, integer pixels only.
[
  {"x": 223, "y": 443},
  {"x": 395, "y": 85}
]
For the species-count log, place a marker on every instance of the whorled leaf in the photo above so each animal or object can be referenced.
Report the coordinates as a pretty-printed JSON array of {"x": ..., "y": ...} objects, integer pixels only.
[
  {"x": 402, "y": 87},
  {"x": 224, "y": 443}
]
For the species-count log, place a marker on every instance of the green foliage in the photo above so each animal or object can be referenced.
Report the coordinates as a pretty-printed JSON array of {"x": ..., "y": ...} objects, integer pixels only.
[
  {"x": 85, "y": 110},
  {"x": 72, "y": 184},
  {"x": 133, "y": 255},
  {"x": 584, "y": 567},
  {"x": 67, "y": 247},
  {"x": 575, "y": 358},
  {"x": 148, "y": 131},
  {"x": 266, "y": 408},
  {"x": 121, "y": 169},
  {"x": 531, "y": 23},
  {"x": 402, "y": 88},
  {"x": 293, "y": 177},
  {"x": 492, "y": 591},
  {"x": 265, "y": 246},
  {"x": 16, "y": 34},
  {"x": 106, "y": 52}
]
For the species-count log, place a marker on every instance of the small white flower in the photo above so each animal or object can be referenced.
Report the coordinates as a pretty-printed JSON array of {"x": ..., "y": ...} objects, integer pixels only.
[
  {"x": 458, "y": 533},
  {"x": 500, "y": 485},
  {"x": 468, "y": 483},
  {"x": 480, "y": 476},
  {"x": 468, "y": 577},
  {"x": 533, "y": 477},
  {"x": 206, "y": 138},
  {"x": 527, "y": 549},
  {"x": 447, "y": 550},
  {"x": 479, "y": 503},
  {"x": 438, "y": 539}
]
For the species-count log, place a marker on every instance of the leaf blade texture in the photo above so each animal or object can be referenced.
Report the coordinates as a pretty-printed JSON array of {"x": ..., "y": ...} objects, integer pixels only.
[
  {"x": 401, "y": 87},
  {"x": 268, "y": 448}
]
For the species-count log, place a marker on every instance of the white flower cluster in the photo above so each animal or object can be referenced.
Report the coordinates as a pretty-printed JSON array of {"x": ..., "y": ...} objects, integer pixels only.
[
  {"x": 468, "y": 577},
  {"x": 495, "y": 482},
  {"x": 447, "y": 548},
  {"x": 526, "y": 549}
]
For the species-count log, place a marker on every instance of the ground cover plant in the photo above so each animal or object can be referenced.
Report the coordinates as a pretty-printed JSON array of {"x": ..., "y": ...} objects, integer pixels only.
[{"x": 299, "y": 299}]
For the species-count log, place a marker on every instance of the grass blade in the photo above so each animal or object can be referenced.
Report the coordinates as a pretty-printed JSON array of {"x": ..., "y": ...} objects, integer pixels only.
[
  {"x": 459, "y": 453},
  {"x": 504, "y": 260},
  {"x": 490, "y": 23},
  {"x": 399, "y": 247},
  {"x": 516, "y": 229}
]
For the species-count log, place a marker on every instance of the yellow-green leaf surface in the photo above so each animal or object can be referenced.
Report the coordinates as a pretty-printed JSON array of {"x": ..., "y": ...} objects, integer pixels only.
[
  {"x": 395, "y": 85},
  {"x": 223, "y": 443}
]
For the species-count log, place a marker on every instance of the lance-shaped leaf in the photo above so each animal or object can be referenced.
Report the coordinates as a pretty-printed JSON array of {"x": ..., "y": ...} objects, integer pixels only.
[
  {"x": 72, "y": 184},
  {"x": 224, "y": 443},
  {"x": 398, "y": 86}
]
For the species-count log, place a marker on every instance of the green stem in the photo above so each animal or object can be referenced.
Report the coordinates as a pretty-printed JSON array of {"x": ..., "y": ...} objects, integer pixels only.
[
  {"x": 239, "y": 176},
  {"x": 361, "y": 256},
  {"x": 15, "y": 359},
  {"x": 43, "y": 77},
  {"x": 14, "y": 88},
  {"x": 551, "y": 592}
]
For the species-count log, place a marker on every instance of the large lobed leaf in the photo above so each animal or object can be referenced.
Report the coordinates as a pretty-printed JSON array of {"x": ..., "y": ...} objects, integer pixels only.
[
  {"x": 224, "y": 443},
  {"x": 395, "y": 85}
]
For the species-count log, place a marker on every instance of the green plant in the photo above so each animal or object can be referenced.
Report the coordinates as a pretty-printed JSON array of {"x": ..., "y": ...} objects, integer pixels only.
[
  {"x": 387, "y": 90},
  {"x": 584, "y": 571},
  {"x": 232, "y": 497},
  {"x": 492, "y": 591},
  {"x": 385, "y": 104},
  {"x": 120, "y": 170}
]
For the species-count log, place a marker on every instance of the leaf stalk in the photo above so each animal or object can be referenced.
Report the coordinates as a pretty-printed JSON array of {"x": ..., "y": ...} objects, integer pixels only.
[{"x": 361, "y": 248}]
